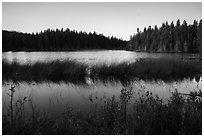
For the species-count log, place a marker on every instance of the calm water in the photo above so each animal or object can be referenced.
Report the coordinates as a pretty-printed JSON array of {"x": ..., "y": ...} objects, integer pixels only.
[
  {"x": 53, "y": 98},
  {"x": 88, "y": 57}
]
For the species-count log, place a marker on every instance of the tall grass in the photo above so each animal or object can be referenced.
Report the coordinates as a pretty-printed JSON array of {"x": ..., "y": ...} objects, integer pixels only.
[
  {"x": 181, "y": 115},
  {"x": 74, "y": 72},
  {"x": 147, "y": 69},
  {"x": 56, "y": 71}
]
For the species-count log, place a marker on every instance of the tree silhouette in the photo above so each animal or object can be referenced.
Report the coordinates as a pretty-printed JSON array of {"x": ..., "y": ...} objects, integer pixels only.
[
  {"x": 169, "y": 38},
  {"x": 58, "y": 40}
]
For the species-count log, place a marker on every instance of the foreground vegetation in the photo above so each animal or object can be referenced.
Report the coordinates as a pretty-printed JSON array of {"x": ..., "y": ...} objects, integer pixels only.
[
  {"x": 181, "y": 115},
  {"x": 73, "y": 72}
]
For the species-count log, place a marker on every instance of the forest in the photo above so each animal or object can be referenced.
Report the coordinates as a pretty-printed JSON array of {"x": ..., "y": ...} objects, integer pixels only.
[
  {"x": 185, "y": 38},
  {"x": 169, "y": 38},
  {"x": 52, "y": 40}
]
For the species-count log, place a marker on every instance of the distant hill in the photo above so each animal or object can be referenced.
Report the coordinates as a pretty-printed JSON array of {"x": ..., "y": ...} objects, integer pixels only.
[
  {"x": 169, "y": 38},
  {"x": 58, "y": 40}
]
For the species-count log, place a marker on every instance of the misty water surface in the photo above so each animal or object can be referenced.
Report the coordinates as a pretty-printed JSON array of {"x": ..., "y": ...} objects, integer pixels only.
[{"x": 89, "y": 57}]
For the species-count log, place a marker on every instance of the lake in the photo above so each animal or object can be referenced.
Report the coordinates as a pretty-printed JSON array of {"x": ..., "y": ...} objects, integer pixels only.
[
  {"x": 54, "y": 97},
  {"x": 90, "y": 57}
]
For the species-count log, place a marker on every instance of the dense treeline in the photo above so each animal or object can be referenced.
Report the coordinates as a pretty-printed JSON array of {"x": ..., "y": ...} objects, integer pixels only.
[
  {"x": 169, "y": 38},
  {"x": 58, "y": 40}
]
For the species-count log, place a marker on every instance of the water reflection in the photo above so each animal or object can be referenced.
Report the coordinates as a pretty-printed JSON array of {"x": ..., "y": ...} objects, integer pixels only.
[{"x": 53, "y": 97}]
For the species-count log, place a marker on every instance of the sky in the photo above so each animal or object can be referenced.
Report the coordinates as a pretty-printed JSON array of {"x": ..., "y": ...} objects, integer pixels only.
[{"x": 118, "y": 19}]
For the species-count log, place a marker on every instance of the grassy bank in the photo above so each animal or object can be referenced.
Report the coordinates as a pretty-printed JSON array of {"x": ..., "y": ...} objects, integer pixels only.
[
  {"x": 74, "y": 72},
  {"x": 181, "y": 115}
]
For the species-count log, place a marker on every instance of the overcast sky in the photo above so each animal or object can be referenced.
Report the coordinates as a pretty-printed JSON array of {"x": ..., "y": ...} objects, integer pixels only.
[{"x": 118, "y": 19}]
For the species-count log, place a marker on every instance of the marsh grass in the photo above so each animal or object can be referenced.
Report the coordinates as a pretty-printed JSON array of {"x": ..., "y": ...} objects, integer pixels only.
[
  {"x": 165, "y": 69},
  {"x": 148, "y": 69},
  {"x": 56, "y": 71},
  {"x": 181, "y": 115}
]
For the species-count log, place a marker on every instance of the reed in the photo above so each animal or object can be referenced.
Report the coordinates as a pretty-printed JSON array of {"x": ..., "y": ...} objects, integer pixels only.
[
  {"x": 148, "y": 69},
  {"x": 74, "y": 72},
  {"x": 56, "y": 71}
]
